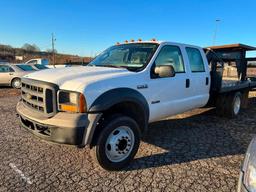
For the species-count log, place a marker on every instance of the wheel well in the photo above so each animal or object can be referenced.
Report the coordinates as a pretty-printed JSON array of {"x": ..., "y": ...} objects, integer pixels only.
[
  {"x": 130, "y": 109},
  {"x": 14, "y": 79}
]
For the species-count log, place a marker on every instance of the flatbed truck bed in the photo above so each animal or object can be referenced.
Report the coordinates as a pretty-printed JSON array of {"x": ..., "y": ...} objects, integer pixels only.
[
  {"x": 230, "y": 85},
  {"x": 229, "y": 79}
]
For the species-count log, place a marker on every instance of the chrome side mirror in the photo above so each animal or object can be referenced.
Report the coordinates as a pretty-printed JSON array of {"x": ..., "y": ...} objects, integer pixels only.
[{"x": 165, "y": 71}]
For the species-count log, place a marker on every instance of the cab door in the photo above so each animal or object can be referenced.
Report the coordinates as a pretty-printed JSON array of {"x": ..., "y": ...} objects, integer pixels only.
[
  {"x": 199, "y": 76},
  {"x": 169, "y": 95}
]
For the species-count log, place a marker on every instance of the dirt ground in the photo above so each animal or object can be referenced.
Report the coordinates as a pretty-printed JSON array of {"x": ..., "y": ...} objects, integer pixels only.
[
  {"x": 7, "y": 92},
  {"x": 194, "y": 151}
]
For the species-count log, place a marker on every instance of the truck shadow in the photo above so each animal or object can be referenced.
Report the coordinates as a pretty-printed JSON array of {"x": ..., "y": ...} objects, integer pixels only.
[{"x": 199, "y": 136}]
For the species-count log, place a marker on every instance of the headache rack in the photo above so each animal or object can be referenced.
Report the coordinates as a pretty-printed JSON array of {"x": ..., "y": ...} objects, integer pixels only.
[
  {"x": 39, "y": 96},
  {"x": 229, "y": 68}
]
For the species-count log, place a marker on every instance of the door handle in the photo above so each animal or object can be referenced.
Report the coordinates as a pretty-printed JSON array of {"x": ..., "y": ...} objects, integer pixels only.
[
  {"x": 207, "y": 81},
  {"x": 187, "y": 83},
  {"x": 10, "y": 73}
]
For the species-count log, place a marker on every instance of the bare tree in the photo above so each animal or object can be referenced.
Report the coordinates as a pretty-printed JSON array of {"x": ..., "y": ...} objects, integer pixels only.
[
  {"x": 31, "y": 48},
  {"x": 6, "y": 49}
]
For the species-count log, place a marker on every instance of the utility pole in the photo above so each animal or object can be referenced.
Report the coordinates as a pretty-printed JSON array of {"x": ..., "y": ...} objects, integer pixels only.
[
  {"x": 53, "y": 50},
  {"x": 215, "y": 32}
]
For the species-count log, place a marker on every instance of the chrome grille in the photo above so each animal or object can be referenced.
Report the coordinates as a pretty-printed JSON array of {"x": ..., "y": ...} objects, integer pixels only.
[{"x": 39, "y": 96}]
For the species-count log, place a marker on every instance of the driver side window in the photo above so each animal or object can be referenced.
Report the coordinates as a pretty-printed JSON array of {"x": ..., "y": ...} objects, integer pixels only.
[{"x": 171, "y": 55}]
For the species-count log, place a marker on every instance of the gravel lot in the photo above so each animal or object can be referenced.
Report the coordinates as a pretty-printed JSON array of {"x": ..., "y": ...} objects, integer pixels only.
[{"x": 195, "y": 151}]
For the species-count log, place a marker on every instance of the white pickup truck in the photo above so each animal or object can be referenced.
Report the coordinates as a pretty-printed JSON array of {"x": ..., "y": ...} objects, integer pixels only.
[{"x": 108, "y": 104}]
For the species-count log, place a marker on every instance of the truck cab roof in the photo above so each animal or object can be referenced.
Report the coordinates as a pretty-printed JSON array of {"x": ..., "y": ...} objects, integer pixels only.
[{"x": 153, "y": 41}]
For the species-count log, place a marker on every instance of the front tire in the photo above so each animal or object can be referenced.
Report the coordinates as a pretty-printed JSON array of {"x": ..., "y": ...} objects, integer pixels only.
[
  {"x": 117, "y": 143},
  {"x": 16, "y": 83}
]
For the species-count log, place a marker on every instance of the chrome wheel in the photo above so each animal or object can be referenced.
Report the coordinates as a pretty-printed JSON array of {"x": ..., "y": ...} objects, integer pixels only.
[
  {"x": 16, "y": 83},
  {"x": 237, "y": 105},
  {"x": 119, "y": 144}
]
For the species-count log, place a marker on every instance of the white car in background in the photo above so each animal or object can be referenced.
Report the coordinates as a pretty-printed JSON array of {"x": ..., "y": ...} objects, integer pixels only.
[
  {"x": 39, "y": 67},
  {"x": 10, "y": 74},
  {"x": 38, "y": 61},
  {"x": 44, "y": 62}
]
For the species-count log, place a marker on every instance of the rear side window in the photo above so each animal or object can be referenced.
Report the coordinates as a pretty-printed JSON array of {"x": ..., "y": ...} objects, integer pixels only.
[
  {"x": 39, "y": 66},
  {"x": 5, "y": 69},
  {"x": 195, "y": 60},
  {"x": 25, "y": 67}
]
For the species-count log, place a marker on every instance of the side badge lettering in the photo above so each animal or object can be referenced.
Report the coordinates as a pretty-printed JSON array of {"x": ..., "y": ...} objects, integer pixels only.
[{"x": 142, "y": 86}]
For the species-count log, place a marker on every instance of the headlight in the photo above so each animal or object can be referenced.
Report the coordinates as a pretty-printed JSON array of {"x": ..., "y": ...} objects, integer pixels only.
[
  {"x": 71, "y": 101},
  {"x": 249, "y": 167}
]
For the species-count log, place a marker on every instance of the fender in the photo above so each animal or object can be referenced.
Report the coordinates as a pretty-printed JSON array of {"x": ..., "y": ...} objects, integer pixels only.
[
  {"x": 119, "y": 95},
  {"x": 109, "y": 99}
]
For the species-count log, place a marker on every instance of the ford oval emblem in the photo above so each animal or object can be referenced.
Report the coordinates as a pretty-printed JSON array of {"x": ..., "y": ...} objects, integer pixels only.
[{"x": 28, "y": 96}]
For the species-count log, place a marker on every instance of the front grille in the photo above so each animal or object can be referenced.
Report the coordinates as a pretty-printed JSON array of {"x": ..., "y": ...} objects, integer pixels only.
[{"x": 39, "y": 96}]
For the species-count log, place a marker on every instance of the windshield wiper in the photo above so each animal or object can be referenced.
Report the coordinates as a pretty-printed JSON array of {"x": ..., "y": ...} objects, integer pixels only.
[{"x": 113, "y": 66}]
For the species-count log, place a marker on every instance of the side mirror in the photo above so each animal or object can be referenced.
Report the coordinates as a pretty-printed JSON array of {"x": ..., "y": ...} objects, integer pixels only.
[{"x": 165, "y": 71}]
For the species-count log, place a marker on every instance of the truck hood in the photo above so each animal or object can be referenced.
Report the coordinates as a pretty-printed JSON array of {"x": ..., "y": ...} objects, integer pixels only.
[{"x": 72, "y": 78}]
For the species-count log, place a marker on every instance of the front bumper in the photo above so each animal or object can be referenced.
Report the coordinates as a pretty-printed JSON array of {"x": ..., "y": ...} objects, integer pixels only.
[{"x": 64, "y": 128}]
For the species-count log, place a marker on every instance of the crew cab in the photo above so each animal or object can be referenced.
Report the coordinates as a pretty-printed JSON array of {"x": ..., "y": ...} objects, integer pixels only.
[{"x": 109, "y": 103}]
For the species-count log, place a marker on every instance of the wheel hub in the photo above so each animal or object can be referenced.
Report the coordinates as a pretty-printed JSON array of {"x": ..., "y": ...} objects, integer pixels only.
[
  {"x": 119, "y": 144},
  {"x": 237, "y": 105},
  {"x": 16, "y": 83},
  {"x": 122, "y": 145}
]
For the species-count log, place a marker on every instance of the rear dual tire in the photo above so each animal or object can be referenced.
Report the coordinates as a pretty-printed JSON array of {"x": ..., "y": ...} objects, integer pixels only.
[
  {"x": 236, "y": 104},
  {"x": 229, "y": 105}
]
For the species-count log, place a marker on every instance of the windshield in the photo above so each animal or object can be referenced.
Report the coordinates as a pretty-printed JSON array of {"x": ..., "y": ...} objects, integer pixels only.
[
  {"x": 133, "y": 57},
  {"x": 25, "y": 67},
  {"x": 39, "y": 66}
]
